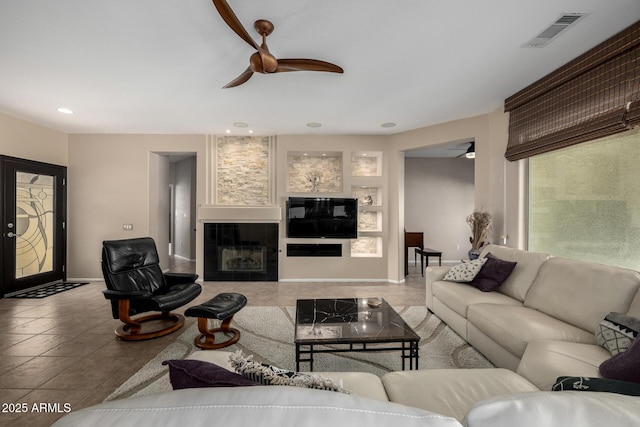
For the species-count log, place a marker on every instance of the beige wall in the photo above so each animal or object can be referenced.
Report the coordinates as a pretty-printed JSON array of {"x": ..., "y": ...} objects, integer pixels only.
[
  {"x": 439, "y": 194},
  {"x": 116, "y": 180},
  {"x": 120, "y": 179},
  {"x": 26, "y": 140}
]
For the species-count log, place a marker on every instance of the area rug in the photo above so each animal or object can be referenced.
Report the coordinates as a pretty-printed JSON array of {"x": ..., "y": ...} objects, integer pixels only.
[
  {"x": 48, "y": 290},
  {"x": 268, "y": 333}
]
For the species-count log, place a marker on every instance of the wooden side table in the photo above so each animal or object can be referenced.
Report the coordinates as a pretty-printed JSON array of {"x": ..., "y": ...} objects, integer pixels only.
[
  {"x": 426, "y": 253},
  {"x": 412, "y": 239}
]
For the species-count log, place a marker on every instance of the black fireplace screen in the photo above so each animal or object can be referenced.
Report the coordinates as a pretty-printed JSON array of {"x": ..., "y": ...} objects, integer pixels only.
[
  {"x": 240, "y": 252},
  {"x": 242, "y": 258}
]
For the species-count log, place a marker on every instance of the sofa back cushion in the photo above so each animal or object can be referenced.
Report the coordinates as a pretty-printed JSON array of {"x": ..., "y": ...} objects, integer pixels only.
[
  {"x": 582, "y": 293},
  {"x": 556, "y": 409},
  {"x": 253, "y": 406},
  {"x": 521, "y": 278},
  {"x": 634, "y": 308}
]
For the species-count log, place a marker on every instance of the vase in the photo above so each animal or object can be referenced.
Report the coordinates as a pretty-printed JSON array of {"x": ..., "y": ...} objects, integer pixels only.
[{"x": 474, "y": 253}]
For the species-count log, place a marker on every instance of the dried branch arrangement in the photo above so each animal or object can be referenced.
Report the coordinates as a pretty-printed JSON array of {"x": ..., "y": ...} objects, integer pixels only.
[{"x": 480, "y": 224}]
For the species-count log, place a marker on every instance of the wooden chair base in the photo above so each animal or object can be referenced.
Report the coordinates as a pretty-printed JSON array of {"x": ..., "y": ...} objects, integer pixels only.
[
  {"x": 132, "y": 329},
  {"x": 206, "y": 339}
]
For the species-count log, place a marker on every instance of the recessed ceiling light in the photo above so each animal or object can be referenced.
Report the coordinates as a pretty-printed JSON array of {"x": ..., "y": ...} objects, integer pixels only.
[
  {"x": 227, "y": 131},
  {"x": 314, "y": 125},
  {"x": 241, "y": 125},
  {"x": 305, "y": 154},
  {"x": 64, "y": 110},
  {"x": 250, "y": 131},
  {"x": 388, "y": 125}
]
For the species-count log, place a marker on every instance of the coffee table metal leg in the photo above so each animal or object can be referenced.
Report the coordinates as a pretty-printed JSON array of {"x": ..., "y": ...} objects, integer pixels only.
[
  {"x": 411, "y": 352},
  {"x": 415, "y": 353},
  {"x": 300, "y": 352}
]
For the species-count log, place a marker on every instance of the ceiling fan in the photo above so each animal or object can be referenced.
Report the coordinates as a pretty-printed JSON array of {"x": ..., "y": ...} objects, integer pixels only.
[
  {"x": 263, "y": 61},
  {"x": 469, "y": 152}
]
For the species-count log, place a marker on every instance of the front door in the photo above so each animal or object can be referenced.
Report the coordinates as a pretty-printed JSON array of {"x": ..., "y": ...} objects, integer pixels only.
[{"x": 33, "y": 218}]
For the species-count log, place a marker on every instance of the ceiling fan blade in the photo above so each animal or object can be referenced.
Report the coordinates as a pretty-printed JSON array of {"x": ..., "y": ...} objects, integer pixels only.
[
  {"x": 233, "y": 22},
  {"x": 299, "y": 64},
  {"x": 242, "y": 78}
]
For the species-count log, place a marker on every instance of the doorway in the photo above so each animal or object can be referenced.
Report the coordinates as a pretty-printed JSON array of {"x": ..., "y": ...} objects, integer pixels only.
[
  {"x": 442, "y": 173},
  {"x": 33, "y": 216},
  {"x": 183, "y": 212}
]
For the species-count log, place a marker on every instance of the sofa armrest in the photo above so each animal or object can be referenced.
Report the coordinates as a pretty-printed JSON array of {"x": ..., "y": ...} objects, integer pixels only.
[
  {"x": 433, "y": 274},
  {"x": 179, "y": 278},
  {"x": 118, "y": 295}
]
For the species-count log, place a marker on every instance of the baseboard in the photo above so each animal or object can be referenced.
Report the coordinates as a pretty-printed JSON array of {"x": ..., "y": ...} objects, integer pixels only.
[
  {"x": 315, "y": 280},
  {"x": 85, "y": 279}
]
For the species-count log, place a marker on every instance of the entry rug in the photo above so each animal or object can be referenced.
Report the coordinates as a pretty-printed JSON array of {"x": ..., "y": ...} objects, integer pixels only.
[
  {"x": 267, "y": 333},
  {"x": 46, "y": 291}
]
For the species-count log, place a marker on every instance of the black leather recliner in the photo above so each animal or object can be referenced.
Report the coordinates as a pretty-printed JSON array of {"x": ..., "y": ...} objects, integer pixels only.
[{"x": 136, "y": 284}]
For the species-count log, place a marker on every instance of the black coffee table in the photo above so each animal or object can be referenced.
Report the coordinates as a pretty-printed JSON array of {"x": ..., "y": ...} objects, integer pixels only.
[{"x": 351, "y": 325}]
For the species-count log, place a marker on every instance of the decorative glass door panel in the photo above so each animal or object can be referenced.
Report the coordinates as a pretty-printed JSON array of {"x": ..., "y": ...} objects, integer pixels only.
[
  {"x": 35, "y": 213},
  {"x": 33, "y": 224}
]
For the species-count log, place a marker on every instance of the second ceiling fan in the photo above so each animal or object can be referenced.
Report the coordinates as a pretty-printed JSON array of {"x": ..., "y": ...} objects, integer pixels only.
[{"x": 263, "y": 61}]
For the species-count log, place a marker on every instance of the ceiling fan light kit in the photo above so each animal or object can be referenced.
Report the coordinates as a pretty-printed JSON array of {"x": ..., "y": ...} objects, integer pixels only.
[
  {"x": 263, "y": 61},
  {"x": 471, "y": 151}
]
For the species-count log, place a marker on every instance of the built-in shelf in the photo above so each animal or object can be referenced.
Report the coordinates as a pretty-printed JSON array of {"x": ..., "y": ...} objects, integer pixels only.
[
  {"x": 369, "y": 220},
  {"x": 366, "y": 163},
  {"x": 367, "y": 195},
  {"x": 366, "y": 247},
  {"x": 314, "y": 172}
]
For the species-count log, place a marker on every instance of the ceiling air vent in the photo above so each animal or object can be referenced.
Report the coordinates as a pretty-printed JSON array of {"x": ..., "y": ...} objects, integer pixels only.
[{"x": 565, "y": 21}]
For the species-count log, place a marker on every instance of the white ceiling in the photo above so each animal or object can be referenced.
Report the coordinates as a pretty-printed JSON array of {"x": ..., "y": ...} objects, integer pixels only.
[{"x": 158, "y": 66}]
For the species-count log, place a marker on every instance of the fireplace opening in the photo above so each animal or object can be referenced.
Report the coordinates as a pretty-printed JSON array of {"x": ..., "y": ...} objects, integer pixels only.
[
  {"x": 240, "y": 252},
  {"x": 242, "y": 258}
]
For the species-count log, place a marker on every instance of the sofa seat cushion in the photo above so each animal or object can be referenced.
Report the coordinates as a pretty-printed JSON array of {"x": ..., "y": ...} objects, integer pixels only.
[
  {"x": 459, "y": 296},
  {"x": 452, "y": 392},
  {"x": 513, "y": 327},
  {"x": 546, "y": 360},
  {"x": 361, "y": 383},
  {"x": 253, "y": 406},
  {"x": 556, "y": 409}
]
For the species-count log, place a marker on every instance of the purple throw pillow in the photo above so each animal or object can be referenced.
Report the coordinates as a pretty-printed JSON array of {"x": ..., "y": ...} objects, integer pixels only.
[
  {"x": 190, "y": 373},
  {"x": 493, "y": 273},
  {"x": 623, "y": 366}
]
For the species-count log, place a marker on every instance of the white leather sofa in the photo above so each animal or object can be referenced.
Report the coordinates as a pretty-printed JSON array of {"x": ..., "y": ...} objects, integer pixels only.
[
  {"x": 541, "y": 321},
  {"x": 539, "y": 325},
  {"x": 429, "y": 398}
]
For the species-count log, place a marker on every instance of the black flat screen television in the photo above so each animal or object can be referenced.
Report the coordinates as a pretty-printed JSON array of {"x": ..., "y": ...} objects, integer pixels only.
[{"x": 316, "y": 217}]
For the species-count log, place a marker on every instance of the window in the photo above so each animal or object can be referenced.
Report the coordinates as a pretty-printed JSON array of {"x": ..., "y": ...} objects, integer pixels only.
[{"x": 584, "y": 201}]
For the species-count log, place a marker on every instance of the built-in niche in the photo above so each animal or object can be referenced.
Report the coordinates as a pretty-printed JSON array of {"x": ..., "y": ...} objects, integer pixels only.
[
  {"x": 366, "y": 163},
  {"x": 314, "y": 172},
  {"x": 366, "y": 247}
]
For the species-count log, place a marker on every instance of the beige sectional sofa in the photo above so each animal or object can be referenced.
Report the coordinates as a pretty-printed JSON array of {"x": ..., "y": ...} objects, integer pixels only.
[
  {"x": 539, "y": 325},
  {"x": 541, "y": 321},
  {"x": 429, "y": 398}
]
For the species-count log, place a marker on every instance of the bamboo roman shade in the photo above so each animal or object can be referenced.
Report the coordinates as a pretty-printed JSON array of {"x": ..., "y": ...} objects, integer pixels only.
[{"x": 595, "y": 95}]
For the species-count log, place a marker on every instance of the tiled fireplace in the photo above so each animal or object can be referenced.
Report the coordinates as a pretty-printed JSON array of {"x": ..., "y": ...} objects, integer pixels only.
[{"x": 241, "y": 251}]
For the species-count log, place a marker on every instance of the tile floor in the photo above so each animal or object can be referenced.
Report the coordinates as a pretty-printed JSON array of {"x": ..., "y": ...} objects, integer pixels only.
[{"x": 62, "y": 350}]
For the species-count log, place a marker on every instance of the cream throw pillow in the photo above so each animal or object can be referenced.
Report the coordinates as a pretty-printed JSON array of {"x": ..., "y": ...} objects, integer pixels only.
[{"x": 466, "y": 271}]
